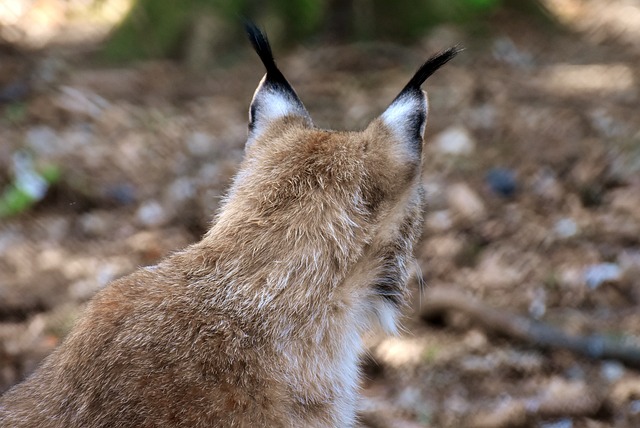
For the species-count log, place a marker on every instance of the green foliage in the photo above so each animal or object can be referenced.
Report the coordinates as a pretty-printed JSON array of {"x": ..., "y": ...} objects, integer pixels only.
[
  {"x": 430, "y": 354},
  {"x": 29, "y": 187},
  {"x": 15, "y": 113},
  {"x": 157, "y": 28},
  {"x": 13, "y": 201},
  {"x": 482, "y": 4},
  {"x": 151, "y": 29},
  {"x": 299, "y": 18},
  {"x": 407, "y": 19}
]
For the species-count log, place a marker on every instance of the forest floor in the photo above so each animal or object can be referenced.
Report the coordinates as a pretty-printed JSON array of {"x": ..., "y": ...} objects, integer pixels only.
[{"x": 532, "y": 173}]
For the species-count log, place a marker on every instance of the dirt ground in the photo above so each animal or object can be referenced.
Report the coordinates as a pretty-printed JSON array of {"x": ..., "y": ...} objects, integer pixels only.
[{"x": 533, "y": 177}]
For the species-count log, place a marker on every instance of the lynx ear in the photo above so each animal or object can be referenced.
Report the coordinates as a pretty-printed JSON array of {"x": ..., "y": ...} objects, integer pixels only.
[
  {"x": 407, "y": 114},
  {"x": 274, "y": 98}
]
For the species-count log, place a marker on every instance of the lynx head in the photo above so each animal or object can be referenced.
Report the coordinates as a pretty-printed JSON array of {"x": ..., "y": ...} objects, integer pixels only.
[{"x": 337, "y": 212}]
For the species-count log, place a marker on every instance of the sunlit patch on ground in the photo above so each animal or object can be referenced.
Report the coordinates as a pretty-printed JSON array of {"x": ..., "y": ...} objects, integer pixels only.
[{"x": 37, "y": 23}]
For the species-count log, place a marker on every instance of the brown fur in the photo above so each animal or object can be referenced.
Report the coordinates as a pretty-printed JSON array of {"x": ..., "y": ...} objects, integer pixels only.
[{"x": 259, "y": 323}]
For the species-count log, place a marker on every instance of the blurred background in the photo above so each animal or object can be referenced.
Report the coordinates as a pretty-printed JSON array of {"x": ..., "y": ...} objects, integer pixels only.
[{"x": 123, "y": 121}]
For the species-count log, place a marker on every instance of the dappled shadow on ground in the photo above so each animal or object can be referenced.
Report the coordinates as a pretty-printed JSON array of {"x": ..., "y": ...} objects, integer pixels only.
[{"x": 532, "y": 173}]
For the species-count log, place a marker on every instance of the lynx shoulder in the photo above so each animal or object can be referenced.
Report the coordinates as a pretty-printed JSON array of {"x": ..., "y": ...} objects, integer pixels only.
[{"x": 259, "y": 323}]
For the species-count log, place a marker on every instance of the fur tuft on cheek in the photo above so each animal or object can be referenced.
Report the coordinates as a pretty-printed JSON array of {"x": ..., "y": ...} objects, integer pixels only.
[{"x": 386, "y": 316}]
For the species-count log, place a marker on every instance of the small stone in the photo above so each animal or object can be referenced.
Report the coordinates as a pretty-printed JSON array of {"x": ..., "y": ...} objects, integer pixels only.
[
  {"x": 43, "y": 140},
  {"x": 465, "y": 202},
  {"x": 123, "y": 194},
  {"x": 80, "y": 103},
  {"x": 83, "y": 289},
  {"x": 27, "y": 179},
  {"x": 200, "y": 144},
  {"x": 570, "y": 277},
  {"x": 546, "y": 185},
  {"x": 456, "y": 403},
  {"x": 612, "y": 371},
  {"x": 455, "y": 140},
  {"x": 410, "y": 398},
  {"x": 106, "y": 273},
  {"x": 96, "y": 223},
  {"x": 479, "y": 365},
  {"x": 561, "y": 423},
  {"x": 575, "y": 373},
  {"x": 476, "y": 340},
  {"x": 524, "y": 362},
  {"x": 502, "y": 181},
  {"x": 565, "y": 228},
  {"x": 151, "y": 214},
  {"x": 603, "y": 122},
  {"x": 538, "y": 304},
  {"x": 596, "y": 275},
  {"x": 180, "y": 191},
  {"x": 439, "y": 221},
  {"x": 209, "y": 173}
]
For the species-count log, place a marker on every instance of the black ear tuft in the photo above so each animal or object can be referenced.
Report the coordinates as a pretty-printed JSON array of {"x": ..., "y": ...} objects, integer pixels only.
[
  {"x": 262, "y": 47},
  {"x": 275, "y": 97},
  {"x": 407, "y": 114},
  {"x": 431, "y": 66},
  {"x": 260, "y": 43}
]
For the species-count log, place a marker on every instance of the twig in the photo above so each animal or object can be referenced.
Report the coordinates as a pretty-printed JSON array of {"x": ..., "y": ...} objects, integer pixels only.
[{"x": 596, "y": 346}]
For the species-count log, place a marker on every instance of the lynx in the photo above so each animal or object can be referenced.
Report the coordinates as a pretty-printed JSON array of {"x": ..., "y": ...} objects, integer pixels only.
[{"x": 259, "y": 324}]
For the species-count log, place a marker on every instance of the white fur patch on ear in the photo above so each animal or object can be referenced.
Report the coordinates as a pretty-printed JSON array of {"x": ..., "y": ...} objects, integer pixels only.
[
  {"x": 270, "y": 103},
  {"x": 407, "y": 117},
  {"x": 273, "y": 103}
]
